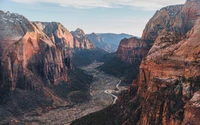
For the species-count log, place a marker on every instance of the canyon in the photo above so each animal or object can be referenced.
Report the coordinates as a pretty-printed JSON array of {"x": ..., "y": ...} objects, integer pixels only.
[
  {"x": 99, "y": 100},
  {"x": 167, "y": 88},
  {"x": 49, "y": 75},
  {"x": 38, "y": 69}
]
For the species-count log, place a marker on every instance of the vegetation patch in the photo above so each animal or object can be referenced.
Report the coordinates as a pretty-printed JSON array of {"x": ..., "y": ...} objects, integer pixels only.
[{"x": 119, "y": 68}]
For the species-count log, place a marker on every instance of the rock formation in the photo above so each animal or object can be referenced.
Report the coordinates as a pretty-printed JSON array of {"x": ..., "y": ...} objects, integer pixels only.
[
  {"x": 58, "y": 33},
  {"x": 132, "y": 50},
  {"x": 178, "y": 18},
  {"x": 26, "y": 50},
  {"x": 35, "y": 65},
  {"x": 168, "y": 82},
  {"x": 81, "y": 40},
  {"x": 61, "y": 36}
]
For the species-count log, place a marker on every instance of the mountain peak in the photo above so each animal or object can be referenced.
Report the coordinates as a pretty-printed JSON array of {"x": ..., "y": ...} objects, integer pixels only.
[
  {"x": 79, "y": 31},
  {"x": 55, "y": 25},
  {"x": 93, "y": 33},
  {"x": 21, "y": 24}
]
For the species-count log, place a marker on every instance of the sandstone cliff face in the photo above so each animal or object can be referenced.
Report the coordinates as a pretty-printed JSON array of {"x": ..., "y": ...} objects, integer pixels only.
[
  {"x": 166, "y": 18},
  {"x": 168, "y": 85},
  {"x": 170, "y": 73},
  {"x": 61, "y": 36},
  {"x": 178, "y": 18},
  {"x": 132, "y": 50},
  {"x": 58, "y": 33},
  {"x": 36, "y": 72},
  {"x": 169, "y": 18},
  {"x": 29, "y": 59},
  {"x": 81, "y": 40}
]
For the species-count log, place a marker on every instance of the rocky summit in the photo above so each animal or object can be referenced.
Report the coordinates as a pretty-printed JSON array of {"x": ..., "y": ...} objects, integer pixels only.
[
  {"x": 132, "y": 50},
  {"x": 58, "y": 33},
  {"x": 81, "y": 39},
  {"x": 25, "y": 48},
  {"x": 29, "y": 62},
  {"x": 170, "y": 71}
]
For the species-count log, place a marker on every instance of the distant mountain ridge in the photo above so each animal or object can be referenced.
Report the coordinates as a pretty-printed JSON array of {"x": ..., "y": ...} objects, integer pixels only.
[
  {"x": 88, "y": 55},
  {"x": 107, "y": 41},
  {"x": 81, "y": 50},
  {"x": 81, "y": 38}
]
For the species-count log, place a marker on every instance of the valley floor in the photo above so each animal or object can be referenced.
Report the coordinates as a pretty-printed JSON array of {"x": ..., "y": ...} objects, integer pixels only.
[{"x": 103, "y": 93}]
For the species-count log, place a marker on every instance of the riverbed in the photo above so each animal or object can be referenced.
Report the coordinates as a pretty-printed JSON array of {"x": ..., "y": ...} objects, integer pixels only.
[{"x": 101, "y": 91}]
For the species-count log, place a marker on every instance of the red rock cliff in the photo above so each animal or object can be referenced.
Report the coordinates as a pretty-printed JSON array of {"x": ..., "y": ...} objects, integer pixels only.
[
  {"x": 168, "y": 85},
  {"x": 29, "y": 58},
  {"x": 58, "y": 33},
  {"x": 132, "y": 50},
  {"x": 81, "y": 40},
  {"x": 167, "y": 18}
]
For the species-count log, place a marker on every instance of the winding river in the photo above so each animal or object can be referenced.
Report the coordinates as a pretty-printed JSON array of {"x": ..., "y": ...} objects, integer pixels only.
[
  {"x": 110, "y": 92},
  {"x": 102, "y": 96}
]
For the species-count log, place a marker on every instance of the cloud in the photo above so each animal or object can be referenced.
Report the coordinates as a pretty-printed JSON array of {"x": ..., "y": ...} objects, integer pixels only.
[{"x": 145, "y": 4}]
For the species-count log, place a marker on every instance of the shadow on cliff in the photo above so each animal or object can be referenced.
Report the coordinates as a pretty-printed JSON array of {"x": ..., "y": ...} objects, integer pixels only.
[{"x": 118, "y": 68}]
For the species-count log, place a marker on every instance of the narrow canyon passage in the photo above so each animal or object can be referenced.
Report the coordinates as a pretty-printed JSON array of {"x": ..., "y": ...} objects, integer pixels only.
[{"x": 102, "y": 96}]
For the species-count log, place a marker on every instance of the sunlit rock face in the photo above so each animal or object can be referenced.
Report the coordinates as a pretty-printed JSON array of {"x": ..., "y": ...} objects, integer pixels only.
[
  {"x": 29, "y": 58},
  {"x": 132, "y": 50},
  {"x": 168, "y": 83},
  {"x": 32, "y": 65},
  {"x": 171, "y": 70},
  {"x": 81, "y": 40},
  {"x": 167, "y": 18},
  {"x": 61, "y": 36},
  {"x": 58, "y": 33}
]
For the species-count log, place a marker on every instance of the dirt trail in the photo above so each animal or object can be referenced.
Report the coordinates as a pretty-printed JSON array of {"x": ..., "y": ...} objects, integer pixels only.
[{"x": 101, "y": 97}]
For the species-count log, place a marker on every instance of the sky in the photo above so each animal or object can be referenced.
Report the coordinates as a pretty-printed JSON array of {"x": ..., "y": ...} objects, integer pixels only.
[{"x": 99, "y": 16}]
